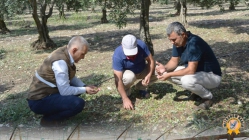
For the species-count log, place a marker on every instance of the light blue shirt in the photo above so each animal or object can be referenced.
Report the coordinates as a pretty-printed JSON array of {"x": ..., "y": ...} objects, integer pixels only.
[{"x": 65, "y": 86}]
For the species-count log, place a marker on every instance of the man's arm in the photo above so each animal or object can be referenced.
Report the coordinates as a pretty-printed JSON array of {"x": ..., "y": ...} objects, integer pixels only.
[
  {"x": 169, "y": 67},
  {"x": 172, "y": 64},
  {"x": 191, "y": 69},
  {"x": 63, "y": 83},
  {"x": 151, "y": 65},
  {"x": 76, "y": 82},
  {"x": 118, "y": 75}
]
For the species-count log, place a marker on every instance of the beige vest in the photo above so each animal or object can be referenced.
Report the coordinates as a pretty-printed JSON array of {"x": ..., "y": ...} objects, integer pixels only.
[{"x": 38, "y": 89}]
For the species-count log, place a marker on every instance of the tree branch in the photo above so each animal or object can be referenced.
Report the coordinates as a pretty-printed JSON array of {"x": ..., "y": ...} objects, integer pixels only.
[{"x": 50, "y": 10}]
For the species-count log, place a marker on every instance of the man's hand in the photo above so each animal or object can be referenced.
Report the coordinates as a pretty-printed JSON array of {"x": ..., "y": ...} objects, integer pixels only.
[
  {"x": 92, "y": 89},
  {"x": 164, "y": 76},
  {"x": 127, "y": 104},
  {"x": 160, "y": 69},
  {"x": 146, "y": 80}
]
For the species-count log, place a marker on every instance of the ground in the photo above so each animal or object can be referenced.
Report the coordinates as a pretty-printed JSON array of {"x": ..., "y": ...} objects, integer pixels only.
[{"x": 103, "y": 117}]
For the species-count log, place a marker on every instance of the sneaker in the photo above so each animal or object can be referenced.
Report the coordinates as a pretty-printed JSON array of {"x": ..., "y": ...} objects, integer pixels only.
[
  {"x": 206, "y": 104},
  {"x": 194, "y": 97},
  {"x": 144, "y": 94}
]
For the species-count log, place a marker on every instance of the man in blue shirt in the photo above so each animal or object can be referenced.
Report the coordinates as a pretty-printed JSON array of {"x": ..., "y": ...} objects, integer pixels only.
[
  {"x": 129, "y": 64},
  {"x": 200, "y": 71}
]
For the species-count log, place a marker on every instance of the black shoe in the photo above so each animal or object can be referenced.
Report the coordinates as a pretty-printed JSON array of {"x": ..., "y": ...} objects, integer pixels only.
[
  {"x": 145, "y": 94},
  {"x": 194, "y": 97},
  {"x": 206, "y": 104}
]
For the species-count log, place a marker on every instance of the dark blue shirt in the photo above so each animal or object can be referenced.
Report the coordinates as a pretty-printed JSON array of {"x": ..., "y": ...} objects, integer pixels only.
[
  {"x": 196, "y": 49},
  {"x": 121, "y": 63}
]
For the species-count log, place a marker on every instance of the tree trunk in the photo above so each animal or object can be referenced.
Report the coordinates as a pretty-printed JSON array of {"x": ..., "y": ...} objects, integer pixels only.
[
  {"x": 103, "y": 19},
  {"x": 246, "y": 3},
  {"x": 61, "y": 11},
  {"x": 232, "y": 5},
  {"x": 183, "y": 12},
  {"x": 44, "y": 41},
  {"x": 177, "y": 7},
  {"x": 144, "y": 24},
  {"x": 3, "y": 27},
  {"x": 92, "y": 9}
]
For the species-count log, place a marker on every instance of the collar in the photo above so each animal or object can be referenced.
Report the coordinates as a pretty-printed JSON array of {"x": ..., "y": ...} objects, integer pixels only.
[
  {"x": 189, "y": 34},
  {"x": 71, "y": 58}
]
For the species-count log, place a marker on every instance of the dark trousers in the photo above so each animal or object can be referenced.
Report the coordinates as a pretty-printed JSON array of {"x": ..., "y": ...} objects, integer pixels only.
[{"x": 56, "y": 107}]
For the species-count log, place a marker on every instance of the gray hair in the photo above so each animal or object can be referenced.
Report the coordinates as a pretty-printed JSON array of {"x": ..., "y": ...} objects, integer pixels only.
[
  {"x": 79, "y": 41},
  {"x": 176, "y": 27}
]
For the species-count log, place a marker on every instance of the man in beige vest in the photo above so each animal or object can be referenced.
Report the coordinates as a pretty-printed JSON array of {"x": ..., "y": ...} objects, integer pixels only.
[{"x": 54, "y": 90}]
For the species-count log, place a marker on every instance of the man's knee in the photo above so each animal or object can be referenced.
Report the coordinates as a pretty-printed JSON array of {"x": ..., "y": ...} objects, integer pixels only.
[
  {"x": 129, "y": 77},
  {"x": 187, "y": 83},
  {"x": 78, "y": 104}
]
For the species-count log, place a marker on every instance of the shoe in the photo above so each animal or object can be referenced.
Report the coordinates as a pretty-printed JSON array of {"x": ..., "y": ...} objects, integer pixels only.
[
  {"x": 194, "y": 97},
  {"x": 45, "y": 123},
  {"x": 144, "y": 94},
  {"x": 206, "y": 104}
]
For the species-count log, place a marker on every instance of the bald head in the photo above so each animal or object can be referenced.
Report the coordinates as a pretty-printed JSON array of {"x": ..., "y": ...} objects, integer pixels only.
[
  {"x": 78, "y": 48},
  {"x": 77, "y": 42}
]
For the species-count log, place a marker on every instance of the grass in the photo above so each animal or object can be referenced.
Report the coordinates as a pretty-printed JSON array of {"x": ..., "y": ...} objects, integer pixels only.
[{"x": 226, "y": 32}]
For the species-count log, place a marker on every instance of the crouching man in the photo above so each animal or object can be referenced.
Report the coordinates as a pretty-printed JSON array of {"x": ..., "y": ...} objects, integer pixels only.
[
  {"x": 200, "y": 71},
  {"x": 54, "y": 91}
]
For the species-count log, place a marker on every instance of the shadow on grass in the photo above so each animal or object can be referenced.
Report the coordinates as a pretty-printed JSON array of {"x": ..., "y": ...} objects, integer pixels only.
[
  {"x": 236, "y": 25},
  {"x": 6, "y": 86},
  {"x": 15, "y": 109},
  {"x": 105, "y": 110},
  {"x": 159, "y": 16},
  {"x": 103, "y": 105},
  {"x": 230, "y": 56},
  {"x": 182, "y": 96},
  {"x": 96, "y": 79},
  {"x": 161, "y": 89},
  {"x": 25, "y": 27},
  {"x": 101, "y": 41},
  {"x": 214, "y": 12}
]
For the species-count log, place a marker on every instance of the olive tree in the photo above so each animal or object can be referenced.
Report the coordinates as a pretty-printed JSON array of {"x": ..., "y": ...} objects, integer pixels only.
[
  {"x": 9, "y": 8},
  {"x": 120, "y": 9},
  {"x": 104, "y": 4},
  {"x": 144, "y": 24},
  {"x": 40, "y": 17},
  {"x": 211, "y": 3}
]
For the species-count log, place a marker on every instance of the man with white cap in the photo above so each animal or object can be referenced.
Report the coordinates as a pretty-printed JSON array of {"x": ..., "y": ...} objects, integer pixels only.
[{"x": 129, "y": 64}]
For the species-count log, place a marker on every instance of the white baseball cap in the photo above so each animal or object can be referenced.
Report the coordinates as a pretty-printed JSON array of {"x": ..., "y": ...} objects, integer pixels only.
[{"x": 129, "y": 44}]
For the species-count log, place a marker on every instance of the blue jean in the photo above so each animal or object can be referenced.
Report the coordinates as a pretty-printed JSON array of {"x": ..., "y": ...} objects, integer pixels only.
[{"x": 57, "y": 107}]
